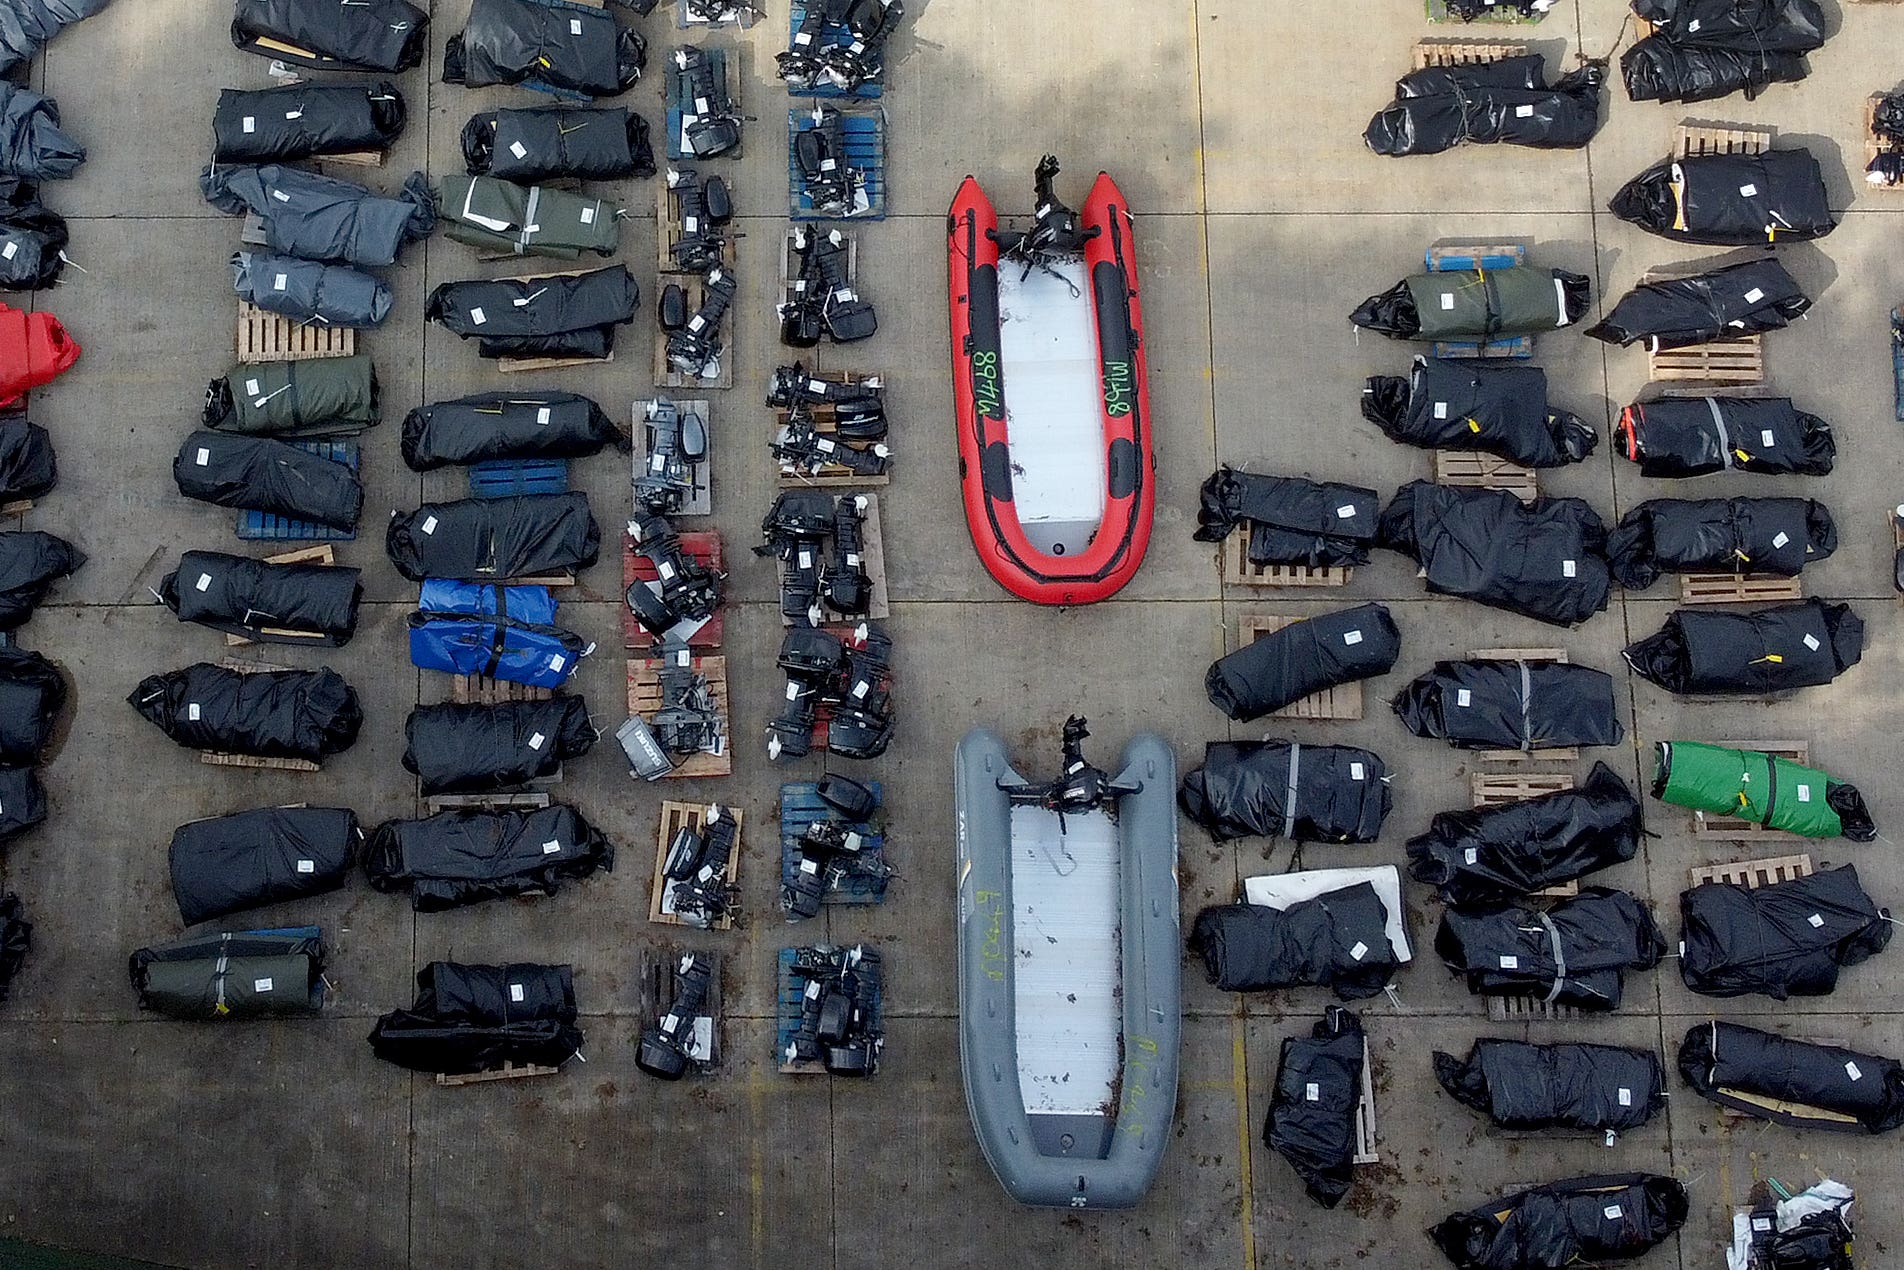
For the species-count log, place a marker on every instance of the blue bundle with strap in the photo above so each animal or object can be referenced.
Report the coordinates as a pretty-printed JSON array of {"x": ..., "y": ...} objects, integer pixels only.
[{"x": 508, "y": 633}]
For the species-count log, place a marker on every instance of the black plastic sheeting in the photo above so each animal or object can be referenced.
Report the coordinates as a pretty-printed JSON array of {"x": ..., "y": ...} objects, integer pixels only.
[
  {"x": 1705, "y": 49},
  {"x": 566, "y": 48},
  {"x": 545, "y": 143},
  {"x": 465, "y": 748},
  {"x": 1311, "y": 1121},
  {"x": 1504, "y": 101},
  {"x": 1544, "y": 559},
  {"x": 317, "y": 217},
  {"x": 1338, "y": 940},
  {"x": 1729, "y": 200},
  {"x": 16, "y": 940},
  {"x": 307, "y": 714},
  {"x": 1790, "y": 1081},
  {"x": 1304, "y": 658},
  {"x": 1696, "y": 436},
  {"x": 573, "y": 316},
  {"x": 35, "y": 238},
  {"x": 465, "y": 856},
  {"x": 1310, "y": 793},
  {"x": 30, "y": 563},
  {"x": 271, "y": 603},
  {"x": 1718, "y": 535},
  {"x": 1290, "y": 520},
  {"x": 308, "y": 291},
  {"x": 1490, "y": 855},
  {"x": 1703, "y": 653},
  {"x": 494, "y": 539},
  {"x": 507, "y": 425},
  {"x": 1471, "y": 404},
  {"x": 28, "y": 467},
  {"x": 1786, "y": 939},
  {"x": 1582, "y": 1221},
  {"x": 302, "y": 121},
  {"x": 1748, "y": 298},
  {"x": 1574, "y": 953},
  {"x": 31, "y": 143},
  {"x": 1591, "y": 1088},
  {"x": 22, "y": 801},
  {"x": 264, "y": 856},
  {"x": 254, "y": 974},
  {"x": 370, "y": 35},
  {"x": 472, "y": 1018},
  {"x": 26, "y": 25},
  {"x": 262, "y": 474},
  {"x": 1466, "y": 304},
  {"x": 32, "y": 695}
]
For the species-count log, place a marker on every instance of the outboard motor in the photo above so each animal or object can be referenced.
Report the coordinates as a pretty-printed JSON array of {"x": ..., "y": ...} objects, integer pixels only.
[
  {"x": 696, "y": 871},
  {"x": 667, "y": 1047},
  {"x": 845, "y": 586},
  {"x": 688, "y": 589},
  {"x": 1080, "y": 788},
  {"x": 677, "y": 441},
  {"x": 832, "y": 185},
  {"x": 695, "y": 349},
  {"x": 713, "y": 126},
  {"x": 706, "y": 212},
  {"x": 824, "y": 302}
]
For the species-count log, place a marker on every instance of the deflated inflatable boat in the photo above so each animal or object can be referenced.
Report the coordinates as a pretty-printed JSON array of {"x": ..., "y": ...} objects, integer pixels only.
[{"x": 1068, "y": 977}]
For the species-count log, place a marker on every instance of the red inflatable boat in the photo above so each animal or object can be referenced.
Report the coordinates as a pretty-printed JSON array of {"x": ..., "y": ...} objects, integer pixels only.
[{"x": 1054, "y": 414}]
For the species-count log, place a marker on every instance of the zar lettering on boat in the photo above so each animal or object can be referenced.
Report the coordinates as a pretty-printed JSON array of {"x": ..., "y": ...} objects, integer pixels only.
[
  {"x": 1068, "y": 975},
  {"x": 1048, "y": 373}
]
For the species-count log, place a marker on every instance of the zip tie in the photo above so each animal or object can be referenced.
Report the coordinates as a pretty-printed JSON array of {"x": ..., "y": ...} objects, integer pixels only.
[{"x": 74, "y": 263}]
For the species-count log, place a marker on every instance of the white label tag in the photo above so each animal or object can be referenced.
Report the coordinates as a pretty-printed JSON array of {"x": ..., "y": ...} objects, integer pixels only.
[
  {"x": 575, "y": 26},
  {"x": 852, "y": 559},
  {"x": 191, "y": 711},
  {"x": 11, "y": 250},
  {"x": 700, "y": 105},
  {"x": 1692, "y": 26},
  {"x": 1626, "y": 1098},
  {"x": 557, "y": 661},
  {"x": 793, "y": 690},
  {"x": 1613, "y": 1212},
  {"x": 1767, "y": 439},
  {"x": 1748, "y": 190},
  {"x": 1472, "y": 855},
  {"x": 295, "y": 114},
  {"x": 307, "y": 866},
  {"x": 1351, "y": 638},
  {"x": 1781, "y": 539},
  {"x": 261, "y": 985},
  {"x": 588, "y": 216},
  {"x": 1359, "y": 951},
  {"x": 1357, "y": 772},
  {"x": 429, "y": 524},
  {"x": 1447, "y": 299},
  {"x": 251, "y": 388},
  {"x": 1523, "y": 112},
  {"x": 1462, "y": 696},
  {"x": 827, "y": 165},
  {"x": 535, "y": 742},
  {"x": 204, "y": 581},
  {"x": 692, "y": 224},
  {"x": 681, "y": 658},
  {"x": 1510, "y": 963},
  {"x": 1811, "y": 642},
  {"x": 816, "y": 386},
  {"x": 1567, "y": 568},
  {"x": 1816, "y": 921},
  {"x": 551, "y": 847},
  {"x": 859, "y": 689},
  {"x": 1441, "y": 410},
  {"x": 281, "y": 282},
  {"x": 204, "y": 456},
  {"x": 1804, "y": 793},
  {"x": 665, "y": 569},
  {"x": 806, "y": 558},
  {"x": 1851, "y": 1070},
  {"x": 249, "y": 123},
  {"x": 542, "y": 417},
  {"x": 1345, "y": 512},
  {"x": 1754, "y": 296},
  {"x": 477, "y": 317},
  {"x": 518, "y": 149},
  {"x": 696, "y": 322},
  {"x": 1312, "y": 1092},
  {"x": 281, "y": 196}
]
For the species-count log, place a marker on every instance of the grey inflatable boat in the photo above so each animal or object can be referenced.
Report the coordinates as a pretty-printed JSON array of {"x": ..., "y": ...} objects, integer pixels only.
[{"x": 1068, "y": 969}]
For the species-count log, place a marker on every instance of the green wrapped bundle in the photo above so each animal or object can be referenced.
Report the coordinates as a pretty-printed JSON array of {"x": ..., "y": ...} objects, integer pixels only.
[
  {"x": 1476, "y": 304},
  {"x": 527, "y": 220},
  {"x": 314, "y": 397},
  {"x": 1759, "y": 787}
]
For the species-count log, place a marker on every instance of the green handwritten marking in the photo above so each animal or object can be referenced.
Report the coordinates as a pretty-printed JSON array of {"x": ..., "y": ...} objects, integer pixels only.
[
  {"x": 985, "y": 392},
  {"x": 1117, "y": 388},
  {"x": 993, "y": 949}
]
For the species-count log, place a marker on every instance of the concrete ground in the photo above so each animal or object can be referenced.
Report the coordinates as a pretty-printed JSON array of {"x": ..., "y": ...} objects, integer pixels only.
[{"x": 1234, "y": 127}]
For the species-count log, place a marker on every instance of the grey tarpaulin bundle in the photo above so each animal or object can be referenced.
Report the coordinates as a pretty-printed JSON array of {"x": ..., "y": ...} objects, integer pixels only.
[
  {"x": 1496, "y": 407},
  {"x": 1782, "y": 940},
  {"x": 302, "y": 121},
  {"x": 1703, "y": 49},
  {"x": 32, "y": 695},
  {"x": 268, "y": 855},
  {"x": 1778, "y": 536},
  {"x": 599, "y": 143},
  {"x": 31, "y": 143},
  {"x": 30, "y": 563},
  {"x": 527, "y": 220},
  {"x": 28, "y": 466},
  {"x": 25, "y": 25},
  {"x": 16, "y": 940},
  {"x": 462, "y": 748},
  {"x": 1583, "y": 1221},
  {"x": 1470, "y": 304},
  {"x": 253, "y": 974},
  {"x": 1490, "y": 855},
  {"x": 1310, "y": 793},
  {"x": 317, "y": 217},
  {"x": 1700, "y": 653},
  {"x": 507, "y": 425},
  {"x": 22, "y": 804},
  {"x": 307, "y": 291},
  {"x": 306, "y": 397},
  {"x": 1544, "y": 559},
  {"x": 1694, "y": 436},
  {"x": 562, "y": 47},
  {"x": 465, "y": 856},
  {"x": 1339, "y": 940},
  {"x": 261, "y": 474},
  {"x": 269, "y": 603},
  {"x": 1303, "y": 658},
  {"x": 1290, "y": 520},
  {"x": 1439, "y": 107},
  {"x": 307, "y": 714},
  {"x": 32, "y": 238},
  {"x": 472, "y": 1018},
  {"x": 1729, "y": 200},
  {"x": 370, "y": 35},
  {"x": 1518, "y": 1085},
  {"x": 556, "y": 316},
  {"x": 1574, "y": 953},
  {"x": 1747, "y": 298},
  {"x": 1311, "y": 1121},
  {"x": 1793, "y": 1082},
  {"x": 494, "y": 539}
]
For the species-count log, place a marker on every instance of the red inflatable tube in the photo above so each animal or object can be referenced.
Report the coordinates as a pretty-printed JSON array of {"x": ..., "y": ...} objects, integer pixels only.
[
  {"x": 985, "y": 468},
  {"x": 34, "y": 348}
]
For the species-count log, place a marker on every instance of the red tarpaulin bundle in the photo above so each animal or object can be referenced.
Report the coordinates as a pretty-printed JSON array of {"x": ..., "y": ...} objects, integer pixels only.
[{"x": 34, "y": 348}]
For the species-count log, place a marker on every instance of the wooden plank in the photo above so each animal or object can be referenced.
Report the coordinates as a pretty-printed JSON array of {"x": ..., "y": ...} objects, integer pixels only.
[
  {"x": 1695, "y": 138},
  {"x": 270, "y": 337},
  {"x": 1518, "y": 654},
  {"x": 1240, "y": 570},
  {"x": 825, "y": 420},
  {"x": 702, "y": 547},
  {"x": 213, "y": 758},
  {"x": 530, "y": 365},
  {"x": 1729, "y": 361},
  {"x": 534, "y": 800},
  {"x": 1464, "y": 52},
  {"x": 676, "y": 816},
  {"x": 1365, "y": 1152},
  {"x": 508, "y": 1071},
  {"x": 1344, "y": 701},
  {"x": 644, "y": 698},
  {"x": 1738, "y": 588},
  {"x": 1708, "y": 825},
  {"x": 355, "y": 158},
  {"x": 479, "y": 690},
  {"x": 1492, "y": 789},
  {"x": 1476, "y": 470},
  {"x": 1529, "y": 1010},
  {"x": 1753, "y": 874},
  {"x": 666, "y": 376},
  {"x": 18, "y": 507}
]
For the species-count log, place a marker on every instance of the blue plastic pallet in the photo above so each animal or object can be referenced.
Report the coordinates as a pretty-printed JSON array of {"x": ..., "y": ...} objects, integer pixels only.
[
  {"x": 800, "y": 806},
  {"x": 501, "y": 478},
  {"x": 787, "y": 992},
  {"x": 677, "y": 106},
  {"x": 1520, "y": 346},
  {"x": 835, "y": 34},
  {"x": 865, "y": 136},
  {"x": 256, "y": 526}
]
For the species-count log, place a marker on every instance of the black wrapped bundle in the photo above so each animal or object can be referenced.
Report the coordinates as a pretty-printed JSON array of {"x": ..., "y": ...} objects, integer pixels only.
[
  {"x": 1338, "y": 940},
  {"x": 22, "y": 803},
  {"x": 492, "y": 539},
  {"x": 573, "y": 316},
  {"x": 471, "y": 1018},
  {"x": 303, "y": 121},
  {"x": 1309, "y": 793},
  {"x": 566, "y": 48},
  {"x": 1694, "y": 436},
  {"x": 260, "y": 474},
  {"x": 307, "y": 714},
  {"x": 506, "y": 425},
  {"x": 1703, "y": 49},
  {"x": 1472, "y": 404},
  {"x": 1469, "y": 304},
  {"x": 32, "y": 694},
  {"x": 1508, "y": 951},
  {"x": 1729, "y": 200},
  {"x": 26, "y": 26},
  {"x": 464, "y": 857},
  {"x": 307, "y": 291},
  {"x": 1443, "y": 106},
  {"x": 27, "y": 466},
  {"x": 264, "y": 856},
  {"x": 545, "y": 143},
  {"x": 458, "y": 748},
  {"x": 1594, "y": 1088},
  {"x": 1782, "y": 940},
  {"x": 270, "y": 603},
  {"x": 16, "y": 940},
  {"x": 34, "y": 238},
  {"x": 1583, "y": 1221},
  {"x": 1656, "y": 69},
  {"x": 1483, "y": 704},
  {"x": 1544, "y": 559},
  {"x": 1290, "y": 520},
  {"x": 1302, "y": 658},
  {"x": 1794, "y": 1083},
  {"x": 1744, "y": 299},
  {"x": 253, "y": 974},
  {"x": 1719, "y": 535},
  {"x": 317, "y": 217},
  {"x": 1311, "y": 1121},
  {"x": 32, "y": 144},
  {"x": 365, "y": 35},
  {"x": 30, "y": 563},
  {"x": 1490, "y": 855},
  {"x": 1703, "y": 653}
]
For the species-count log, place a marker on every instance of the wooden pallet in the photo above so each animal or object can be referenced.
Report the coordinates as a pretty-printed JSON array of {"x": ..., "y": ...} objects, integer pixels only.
[
  {"x": 1464, "y": 52},
  {"x": 826, "y": 423},
  {"x": 700, "y": 499},
  {"x": 534, "y": 800},
  {"x": 654, "y": 993},
  {"x": 1709, "y": 825},
  {"x": 675, "y": 817},
  {"x": 271, "y": 337},
  {"x": 478, "y": 690},
  {"x": 214, "y": 758},
  {"x": 531, "y": 365},
  {"x": 666, "y": 376},
  {"x": 1344, "y": 701},
  {"x": 508, "y": 1071},
  {"x": 635, "y": 567},
  {"x": 644, "y": 698},
  {"x": 1753, "y": 874},
  {"x": 1738, "y": 588},
  {"x": 1473, "y": 469},
  {"x": 801, "y": 807},
  {"x": 1529, "y": 1010},
  {"x": 1733, "y": 361},
  {"x": 1492, "y": 789},
  {"x": 1695, "y": 139},
  {"x": 1558, "y": 754},
  {"x": 872, "y": 558},
  {"x": 324, "y": 555},
  {"x": 1240, "y": 570}
]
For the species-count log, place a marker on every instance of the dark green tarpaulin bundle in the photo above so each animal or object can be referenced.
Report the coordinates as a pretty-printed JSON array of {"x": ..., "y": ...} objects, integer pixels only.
[
  {"x": 526, "y": 220},
  {"x": 1470, "y": 304},
  {"x": 254, "y": 974},
  {"x": 1759, "y": 787},
  {"x": 312, "y": 397}
]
